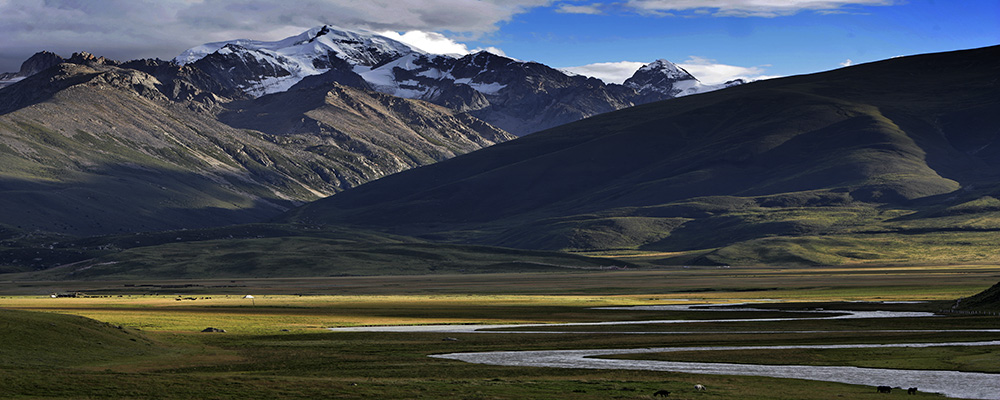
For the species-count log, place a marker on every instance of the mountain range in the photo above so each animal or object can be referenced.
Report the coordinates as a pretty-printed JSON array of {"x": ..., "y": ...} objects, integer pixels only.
[
  {"x": 517, "y": 96},
  {"x": 239, "y": 131},
  {"x": 321, "y": 134}
]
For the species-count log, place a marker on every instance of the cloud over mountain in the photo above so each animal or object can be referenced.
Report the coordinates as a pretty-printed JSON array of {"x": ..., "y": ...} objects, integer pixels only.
[
  {"x": 128, "y": 29},
  {"x": 708, "y": 71},
  {"x": 609, "y": 72}
]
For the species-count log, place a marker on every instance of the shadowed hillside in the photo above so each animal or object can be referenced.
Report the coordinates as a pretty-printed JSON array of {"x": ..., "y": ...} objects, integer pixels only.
[
  {"x": 988, "y": 299},
  {"x": 93, "y": 146},
  {"x": 881, "y": 147}
]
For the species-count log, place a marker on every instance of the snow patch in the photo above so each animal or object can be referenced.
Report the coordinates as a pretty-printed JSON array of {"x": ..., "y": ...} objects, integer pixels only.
[{"x": 487, "y": 88}]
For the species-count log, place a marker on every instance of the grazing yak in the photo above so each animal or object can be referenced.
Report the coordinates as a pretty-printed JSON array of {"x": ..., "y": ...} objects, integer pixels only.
[
  {"x": 699, "y": 387},
  {"x": 661, "y": 393},
  {"x": 911, "y": 390},
  {"x": 883, "y": 389}
]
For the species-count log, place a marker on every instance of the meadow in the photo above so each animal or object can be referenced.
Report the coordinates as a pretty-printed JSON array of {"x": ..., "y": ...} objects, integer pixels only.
[{"x": 142, "y": 339}]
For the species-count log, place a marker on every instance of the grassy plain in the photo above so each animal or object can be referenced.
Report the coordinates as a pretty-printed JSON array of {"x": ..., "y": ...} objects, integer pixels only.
[{"x": 276, "y": 345}]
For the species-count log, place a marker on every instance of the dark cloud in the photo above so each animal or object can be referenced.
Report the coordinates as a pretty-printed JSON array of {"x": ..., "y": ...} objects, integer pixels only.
[{"x": 129, "y": 29}]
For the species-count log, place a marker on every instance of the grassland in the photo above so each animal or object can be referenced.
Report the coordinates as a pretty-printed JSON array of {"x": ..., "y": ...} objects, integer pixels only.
[{"x": 276, "y": 345}]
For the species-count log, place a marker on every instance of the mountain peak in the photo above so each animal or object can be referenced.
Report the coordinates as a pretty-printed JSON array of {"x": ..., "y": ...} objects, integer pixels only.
[
  {"x": 662, "y": 77},
  {"x": 322, "y": 31},
  {"x": 285, "y": 62},
  {"x": 356, "y": 46},
  {"x": 40, "y": 61},
  {"x": 671, "y": 70}
]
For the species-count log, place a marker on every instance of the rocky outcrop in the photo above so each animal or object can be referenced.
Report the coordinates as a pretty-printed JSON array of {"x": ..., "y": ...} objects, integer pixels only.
[{"x": 37, "y": 63}]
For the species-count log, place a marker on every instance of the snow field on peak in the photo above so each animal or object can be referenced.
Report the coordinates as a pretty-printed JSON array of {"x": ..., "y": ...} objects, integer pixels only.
[{"x": 298, "y": 54}]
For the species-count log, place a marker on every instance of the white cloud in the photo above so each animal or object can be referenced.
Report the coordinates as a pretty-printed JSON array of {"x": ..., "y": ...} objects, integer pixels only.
[
  {"x": 436, "y": 43},
  {"x": 847, "y": 63},
  {"x": 592, "y": 9},
  {"x": 706, "y": 70},
  {"x": 748, "y": 8},
  {"x": 129, "y": 29},
  {"x": 710, "y": 72},
  {"x": 490, "y": 49},
  {"x": 609, "y": 72},
  {"x": 431, "y": 42}
]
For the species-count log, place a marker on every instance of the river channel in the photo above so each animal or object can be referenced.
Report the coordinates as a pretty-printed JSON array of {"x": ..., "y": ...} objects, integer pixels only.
[{"x": 956, "y": 384}]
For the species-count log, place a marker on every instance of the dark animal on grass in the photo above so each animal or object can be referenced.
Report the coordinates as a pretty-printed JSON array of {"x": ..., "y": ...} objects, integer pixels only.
[
  {"x": 883, "y": 389},
  {"x": 699, "y": 387},
  {"x": 912, "y": 390},
  {"x": 661, "y": 393}
]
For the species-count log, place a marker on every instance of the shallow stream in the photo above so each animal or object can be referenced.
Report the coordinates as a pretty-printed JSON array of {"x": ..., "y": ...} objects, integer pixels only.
[{"x": 949, "y": 383}]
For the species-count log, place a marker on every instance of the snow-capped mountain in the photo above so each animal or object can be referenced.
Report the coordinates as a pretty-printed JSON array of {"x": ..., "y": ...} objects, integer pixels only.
[
  {"x": 520, "y": 97},
  {"x": 663, "y": 77},
  {"x": 356, "y": 46},
  {"x": 276, "y": 66}
]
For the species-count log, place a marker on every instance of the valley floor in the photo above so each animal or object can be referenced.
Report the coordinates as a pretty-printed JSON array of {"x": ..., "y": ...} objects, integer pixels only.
[{"x": 138, "y": 344}]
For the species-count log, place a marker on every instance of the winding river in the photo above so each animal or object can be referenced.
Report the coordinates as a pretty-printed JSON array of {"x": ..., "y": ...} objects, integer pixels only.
[
  {"x": 967, "y": 385},
  {"x": 949, "y": 383}
]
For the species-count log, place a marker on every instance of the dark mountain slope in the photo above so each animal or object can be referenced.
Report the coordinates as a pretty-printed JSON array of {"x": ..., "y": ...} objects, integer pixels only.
[
  {"x": 389, "y": 133},
  {"x": 94, "y": 146},
  {"x": 711, "y": 169}
]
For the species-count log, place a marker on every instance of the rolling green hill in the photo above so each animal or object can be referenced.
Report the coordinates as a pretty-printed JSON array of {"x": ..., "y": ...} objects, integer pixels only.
[
  {"x": 874, "y": 162},
  {"x": 40, "y": 341}
]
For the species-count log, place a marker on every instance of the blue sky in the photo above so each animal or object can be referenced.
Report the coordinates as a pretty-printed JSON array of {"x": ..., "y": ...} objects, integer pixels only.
[
  {"x": 807, "y": 40},
  {"x": 714, "y": 39}
]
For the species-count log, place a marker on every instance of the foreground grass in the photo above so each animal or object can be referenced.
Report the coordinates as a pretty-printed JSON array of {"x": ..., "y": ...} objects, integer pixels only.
[{"x": 395, "y": 365}]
